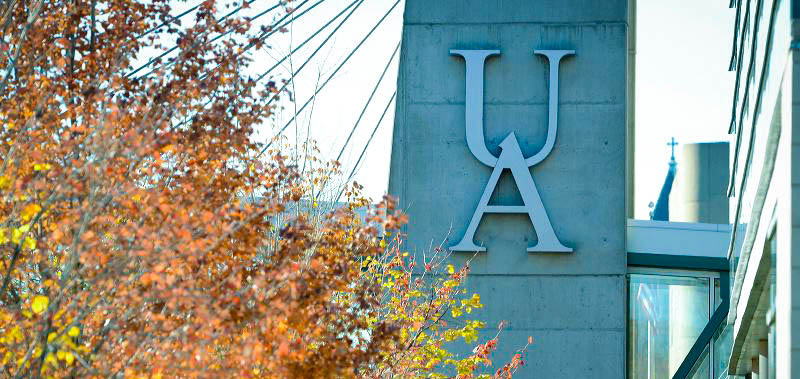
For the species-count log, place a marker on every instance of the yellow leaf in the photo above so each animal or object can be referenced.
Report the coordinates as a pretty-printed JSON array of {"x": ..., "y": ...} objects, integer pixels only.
[
  {"x": 4, "y": 235},
  {"x": 29, "y": 243},
  {"x": 30, "y": 211},
  {"x": 5, "y": 182},
  {"x": 16, "y": 235},
  {"x": 40, "y": 304},
  {"x": 50, "y": 358},
  {"x": 41, "y": 167},
  {"x": 69, "y": 357},
  {"x": 450, "y": 269},
  {"x": 16, "y": 335},
  {"x": 73, "y": 331}
]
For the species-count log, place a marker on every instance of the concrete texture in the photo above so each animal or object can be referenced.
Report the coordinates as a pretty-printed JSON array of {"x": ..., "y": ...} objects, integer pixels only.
[
  {"x": 572, "y": 304},
  {"x": 699, "y": 193}
]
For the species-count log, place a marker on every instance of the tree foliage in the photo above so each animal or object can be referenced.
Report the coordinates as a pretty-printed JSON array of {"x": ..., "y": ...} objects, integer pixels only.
[{"x": 143, "y": 234}]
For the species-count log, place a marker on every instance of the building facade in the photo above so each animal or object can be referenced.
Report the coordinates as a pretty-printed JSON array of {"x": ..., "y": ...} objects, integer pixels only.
[
  {"x": 486, "y": 166},
  {"x": 512, "y": 148},
  {"x": 764, "y": 253}
]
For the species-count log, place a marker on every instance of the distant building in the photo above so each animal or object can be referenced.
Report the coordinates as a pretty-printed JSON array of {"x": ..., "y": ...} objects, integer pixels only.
[
  {"x": 700, "y": 190},
  {"x": 661, "y": 211},
  {"x": 697, "y": 190},
  {"x": 677, "y": 311}
]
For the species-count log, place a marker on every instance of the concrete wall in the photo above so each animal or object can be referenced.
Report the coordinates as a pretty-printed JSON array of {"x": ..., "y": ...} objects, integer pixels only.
[
  {"x": 573, "y": 304},
  {"x": 699, "y": 193}
]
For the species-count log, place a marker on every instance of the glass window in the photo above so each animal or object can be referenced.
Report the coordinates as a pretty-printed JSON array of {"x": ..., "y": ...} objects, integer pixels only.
[
  {"x": 666, "y": 315},
  {"x": 701, "y": 368},
  {"x": 722, "y": 350},
  {"x": 721, "y": 342}
]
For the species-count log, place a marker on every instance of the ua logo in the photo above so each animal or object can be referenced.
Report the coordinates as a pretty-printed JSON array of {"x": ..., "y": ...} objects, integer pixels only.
[{"x": 511, "y": 156}]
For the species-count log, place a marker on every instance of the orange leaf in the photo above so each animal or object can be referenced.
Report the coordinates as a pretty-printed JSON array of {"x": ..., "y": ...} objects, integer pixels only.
[
  {"x": 88, "y": 236},
  {"x": 283, "y": 349},
  {"x": 57, "y": 235}
]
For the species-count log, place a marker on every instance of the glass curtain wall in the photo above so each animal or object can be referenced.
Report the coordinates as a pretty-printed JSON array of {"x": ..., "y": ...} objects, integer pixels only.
[{"x": 666, "y": 314}]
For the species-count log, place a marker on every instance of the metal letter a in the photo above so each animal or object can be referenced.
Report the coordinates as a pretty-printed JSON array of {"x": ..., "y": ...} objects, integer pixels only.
[{"x": 511, "y": 156}]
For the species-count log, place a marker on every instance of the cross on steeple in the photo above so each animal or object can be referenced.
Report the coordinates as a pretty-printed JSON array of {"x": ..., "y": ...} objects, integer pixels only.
[{"x": 672, "y": 145}]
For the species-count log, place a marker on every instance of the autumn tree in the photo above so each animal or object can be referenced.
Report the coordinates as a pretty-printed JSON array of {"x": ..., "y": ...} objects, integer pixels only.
[{"x": 145, "y": 233}]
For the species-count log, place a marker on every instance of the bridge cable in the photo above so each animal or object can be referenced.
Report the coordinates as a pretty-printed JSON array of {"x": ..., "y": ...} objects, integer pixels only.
[
  {"x": 260, "y": 77},
  {"x": 364, "y": 150},
  {"x": 363, "y": 110},
  {"x": 274, "y": 29},
  {"x": 291, "y": 78},
  {"x": 170, "y": 21},
  {"x": 352, "y": 52},
  {"x": 375, "y": 89},
  {"x": 153, "y": 60}
]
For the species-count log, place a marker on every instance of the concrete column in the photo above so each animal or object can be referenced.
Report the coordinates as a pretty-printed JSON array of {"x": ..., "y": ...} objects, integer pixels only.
[
  {"x": 574, "y": 303},
  {"x": 763, "y": 363},
  {"x": 630, "y": 137}
]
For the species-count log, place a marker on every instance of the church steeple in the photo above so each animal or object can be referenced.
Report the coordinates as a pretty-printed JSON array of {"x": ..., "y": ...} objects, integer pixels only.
[{"x": 661, "y": 211}]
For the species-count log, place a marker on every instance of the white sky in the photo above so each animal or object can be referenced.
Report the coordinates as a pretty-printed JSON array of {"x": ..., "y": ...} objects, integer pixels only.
[{"x": 683, "y": 88}]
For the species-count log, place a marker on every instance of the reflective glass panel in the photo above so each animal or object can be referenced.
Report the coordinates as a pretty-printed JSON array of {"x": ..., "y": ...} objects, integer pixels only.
[
  {"x": 700, "y": 370},
  {"x": 722, "y": 350},
  {"x": 666, "y": 315}
]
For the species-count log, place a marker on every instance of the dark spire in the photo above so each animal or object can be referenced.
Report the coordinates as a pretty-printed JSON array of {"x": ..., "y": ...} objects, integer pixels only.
[
  {"x": 661, "y": 211},
  {"x": 672, "y": 144}
]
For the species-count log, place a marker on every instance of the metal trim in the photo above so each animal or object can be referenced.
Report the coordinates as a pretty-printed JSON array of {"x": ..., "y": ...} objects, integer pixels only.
[{"x": 679, "y": 262}]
